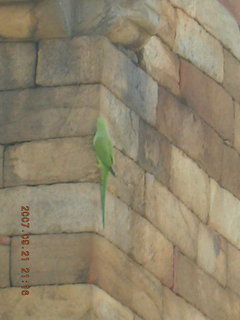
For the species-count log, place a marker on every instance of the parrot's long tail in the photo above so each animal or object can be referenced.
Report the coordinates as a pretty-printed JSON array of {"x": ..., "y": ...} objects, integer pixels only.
[{"x": 105, "y": 173}]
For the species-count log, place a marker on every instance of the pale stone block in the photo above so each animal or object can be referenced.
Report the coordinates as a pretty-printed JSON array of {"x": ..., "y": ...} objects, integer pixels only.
[
  {"x": 212, "y": 250},
  {"x": 195, "y": 44},
  {"x": 233, "y": 277},
  {"x": 105, "y": 307},
  {"x": 188, "y": 6},
  {"x": 161, "y": 64},
  {"x": 237, "y": 127},
  {"x": 123, "y": 123},
  {"x": 175, "y": 308},
  {"x": 205, "y": 292},
  {"x": 169, "y": 215},
  {"x": 80, "y": 302},
  {"x": 224, "y": 213},
  {"x": 152, "y": 250},
  {"x": 93, "y": 60},
  {"x": 190, "y": 183},
  {"x": 50, "y": 161},
  {"x": 232, "y": 75},
  {"x": 87, "y": 257},
  {"x": 167, "y": 23},
  {"x": 17, "y": 21},
  {"x": 4, "y": 266},
  {"x": 220, "y": 23},
  {"x": 43, "y": 113},
  {"x": 17, "y": 65},
  {"x": 128, "y": 185}
]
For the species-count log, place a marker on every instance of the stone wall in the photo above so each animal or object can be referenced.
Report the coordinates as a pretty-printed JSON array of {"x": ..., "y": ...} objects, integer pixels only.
[{"x": 166, "y": 76}]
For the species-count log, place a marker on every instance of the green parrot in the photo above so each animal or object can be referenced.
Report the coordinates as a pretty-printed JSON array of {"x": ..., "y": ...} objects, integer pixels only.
[{"x": 103, "y": 147}]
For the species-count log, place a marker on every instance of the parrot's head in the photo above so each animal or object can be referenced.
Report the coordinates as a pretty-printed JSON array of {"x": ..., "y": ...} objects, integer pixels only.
[{"x": 101, "y": 123}]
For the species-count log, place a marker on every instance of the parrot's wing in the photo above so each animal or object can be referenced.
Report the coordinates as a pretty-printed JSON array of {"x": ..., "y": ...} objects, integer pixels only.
[{"x": 104, "y": 150}]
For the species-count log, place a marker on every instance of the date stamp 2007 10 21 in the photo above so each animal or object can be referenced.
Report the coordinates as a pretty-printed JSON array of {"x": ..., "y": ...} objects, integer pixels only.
[{"x": 25, "y": 254}]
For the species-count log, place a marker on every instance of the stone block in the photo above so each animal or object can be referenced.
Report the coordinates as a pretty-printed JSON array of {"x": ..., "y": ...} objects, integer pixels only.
[
  {"x": 167, "y": 23},
  {"x": 129, "y": 182},
  {"x": 161, "y": 64},
  {"x": 195, "y": 44},
  {"x": 4, "y": 266},
  {"x": 212, "y": 252},
  {"x": 82, "y": 301},
  {"x": 231, "y": 171},
  {"x": 224, "y": 213},
  {"x": 176, "y": 308},
  {"x": 233, "y": 277},
  {"x": 123, "y": 123},
  {"x": 89, "y": 258},
  {"x": 189, "y": 6},
  {"x": 233, "y": 6},
  {"x": 154, "y": 152},
  {"x": 190, "y": 183},
  {"x": 94, "y": 60},
  {"x": 232, "y": 75},
  {"x": 208, "y": 98},
  {"x": 197, "y": 139},
  {"x": 220, "y": 23},
  {"x": 42, "y": 162},
  {"x": 17, "y": 65},
  {"x": 171, "y": 217},
  {"x": 44, "y": 113},
  {"x": 152, "y": 250},
  {"x": 204, "y": 292},
  {"x": 17, "y": 21},
  {"x": 237, "y": 127}
]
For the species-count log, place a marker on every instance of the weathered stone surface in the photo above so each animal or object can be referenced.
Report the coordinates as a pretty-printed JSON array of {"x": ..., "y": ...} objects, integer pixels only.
[
  {"x": 220, "y": 23},
  {"x": 208, "y": 98},
  {"x": 176, "y": 308},
  {"x": 224, "y": 213},
  {"x": 17, "y": 65},
  {"x": 44, "y": 113},
  {"x": 80, "y": 301},
  {"x": 152, "y": 250},
  {"x": 90, "y": 258},
  {"x": 190, "y": 183},
  {"x": 1, "y": 165},
  {"x": 195, "y": 44},
  {"x": 128, "y": 23},
  {"x": 60, "y": 61},
  {"x": 231, "y": 171},
  {"x": 123, "y": 123},
  {"x": 154, "y": 152},
  {"x": 129, "y": 183},
  {"x": 161, "y": 64},
  {"x": 76, "y": 208},
  {"x": 234, "y": 7},
  {"x": 197, "y": 139},
  {"x": 188, "y": 6},
  {"x": 53, "y": 19},
  {"x": 43, "y": 162},
  {"x": 71, "y": 207},
  {"x": 232, "y": 75},
  {"x": 105, "y": 307},
  {"x": 170, "y": 216},
  {"x": 209, "y": 297},
  {"x": 233, "y": 276},
  {"x": 16, "y": 21},
  {"x": 237, "y": 127},
  {"x": 212, "y": 251},
  {"x": 4, "y": 266},
  {"x": 167, "y": 23}
]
